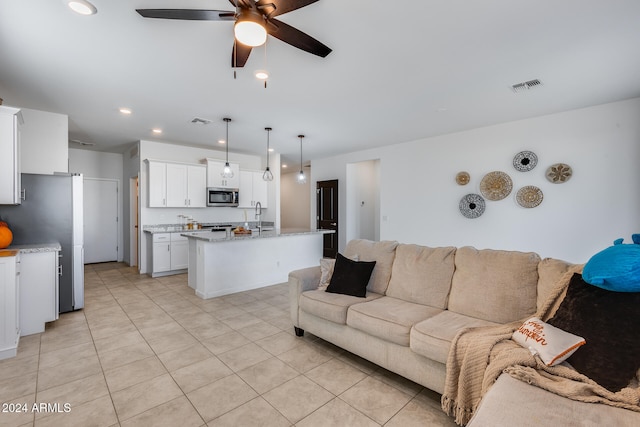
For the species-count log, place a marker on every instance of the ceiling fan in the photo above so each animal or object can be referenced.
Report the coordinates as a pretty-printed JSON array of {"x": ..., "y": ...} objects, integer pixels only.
[{"x": 253, "y": 21}]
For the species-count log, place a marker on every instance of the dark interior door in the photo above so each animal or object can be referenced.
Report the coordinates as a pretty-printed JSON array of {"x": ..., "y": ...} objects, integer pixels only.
[{"x": 327, "y": 215}]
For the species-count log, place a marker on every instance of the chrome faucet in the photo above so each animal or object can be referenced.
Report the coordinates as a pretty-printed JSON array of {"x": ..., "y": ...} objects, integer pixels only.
[{"x": 259, "y": 216}]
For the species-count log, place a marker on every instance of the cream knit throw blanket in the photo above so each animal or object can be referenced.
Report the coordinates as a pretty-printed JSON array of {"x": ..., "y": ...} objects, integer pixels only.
[{"x": 478, "y": 356}]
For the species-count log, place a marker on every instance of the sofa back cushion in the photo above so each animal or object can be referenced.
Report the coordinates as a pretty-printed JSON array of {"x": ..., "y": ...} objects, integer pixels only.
[
  {"x": 493, "y": 285},
  {"x": 422, "y": 275},
  {"x": 382, "y": 253}
]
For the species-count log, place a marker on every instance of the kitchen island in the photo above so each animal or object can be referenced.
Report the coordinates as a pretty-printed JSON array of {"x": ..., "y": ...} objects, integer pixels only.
[{"x": 222, "y": 264}]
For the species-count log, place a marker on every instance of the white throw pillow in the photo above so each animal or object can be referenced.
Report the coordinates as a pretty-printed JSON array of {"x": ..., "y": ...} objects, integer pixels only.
[
  {"x": 553, "y": 345},
  {"x": 326, "y": 271}
]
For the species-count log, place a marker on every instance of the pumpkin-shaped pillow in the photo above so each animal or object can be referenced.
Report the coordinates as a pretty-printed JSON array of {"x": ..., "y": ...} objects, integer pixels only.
[{"x": 616, "y": 268}]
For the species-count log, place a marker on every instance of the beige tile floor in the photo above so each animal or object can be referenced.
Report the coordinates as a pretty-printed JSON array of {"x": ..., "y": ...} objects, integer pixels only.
[{"x": 148, "y": 352}]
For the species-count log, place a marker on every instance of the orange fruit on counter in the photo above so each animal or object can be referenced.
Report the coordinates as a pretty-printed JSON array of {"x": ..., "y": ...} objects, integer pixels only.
[{"x": 6, "y": 237}]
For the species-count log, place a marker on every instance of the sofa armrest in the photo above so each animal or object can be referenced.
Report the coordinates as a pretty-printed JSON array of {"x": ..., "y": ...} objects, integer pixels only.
[{"x": 302, "y": 280}]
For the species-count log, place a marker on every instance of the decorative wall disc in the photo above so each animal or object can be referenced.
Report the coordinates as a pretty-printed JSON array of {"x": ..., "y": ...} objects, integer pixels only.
[
  {"x": 496, "y": 185},
  {"x": 559, "y": 173},
  {"x": 524, "y": 161},
  {"x": 529, "y": 196},
  {"x": 472, "y": 205},
  {"x": 463, "y": 178}
]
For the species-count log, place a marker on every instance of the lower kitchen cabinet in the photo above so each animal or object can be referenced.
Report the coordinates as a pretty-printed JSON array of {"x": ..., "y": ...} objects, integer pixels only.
[
  {"x": 179, "y": 252},
  {"x": 170, "y": 254},
  {"x": 161, "y": 253},
  {"x": 39, "y": 288},
  {"x": 9, "y": 305}
]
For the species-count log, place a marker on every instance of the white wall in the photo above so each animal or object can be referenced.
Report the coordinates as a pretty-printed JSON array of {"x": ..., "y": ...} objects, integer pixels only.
[
  {"x": 363, "y": 201},
  {"x": 44, "y": 142},
  {"x": 419, "y": 197},
  {"x": 94, "y": 164},
  {"x": 295, "y": 202}
]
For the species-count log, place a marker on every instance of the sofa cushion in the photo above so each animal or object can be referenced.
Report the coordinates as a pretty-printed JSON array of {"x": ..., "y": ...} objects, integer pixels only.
[
  {"x": 550, "y": 270},
  {"x": 432, "y": 337},
  {"x": 498, "y": 286},
  {"x": 328, "y": 306},
  {"x": 388, "y": 318},
  {"x": 422, "y": 275},
  {"x": 382, "y": 253}
]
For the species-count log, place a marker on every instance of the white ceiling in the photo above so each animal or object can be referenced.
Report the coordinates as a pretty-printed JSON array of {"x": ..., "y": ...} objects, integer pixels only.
[{"x": 398, "y": 71}]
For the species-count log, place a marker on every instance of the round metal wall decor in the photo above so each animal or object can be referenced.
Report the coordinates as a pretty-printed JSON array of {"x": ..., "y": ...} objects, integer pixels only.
[
  {"x": 529, "y": 196},
  {"x": 496, "y": 185},
  {"x": 472, "y": 205},
  {"x": 559, "y": 173},
  {"x": 463, "y": 178},
  {"x": 524, "y": 161}
]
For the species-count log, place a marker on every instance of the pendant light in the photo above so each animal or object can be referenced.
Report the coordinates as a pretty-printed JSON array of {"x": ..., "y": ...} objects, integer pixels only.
[
  {"x": 267, "y": 175},
  {"x": 301, "y": 178},
  {"x": 227, "y": 172}
]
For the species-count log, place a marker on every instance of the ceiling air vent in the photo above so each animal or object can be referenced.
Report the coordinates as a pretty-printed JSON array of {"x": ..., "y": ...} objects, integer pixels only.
[
  {"x": 525, "y": 86},
  {"x": 199, "y": 121}
]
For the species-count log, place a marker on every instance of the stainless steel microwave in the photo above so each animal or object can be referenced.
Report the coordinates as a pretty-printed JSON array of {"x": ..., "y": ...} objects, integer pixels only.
[{"x": 222, "y": 196}]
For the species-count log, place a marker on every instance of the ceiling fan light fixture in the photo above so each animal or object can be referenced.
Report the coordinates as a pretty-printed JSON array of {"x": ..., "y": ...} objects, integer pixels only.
[
  {"x": 82, "y": 7},
  {"x": 249, "y": 29}
]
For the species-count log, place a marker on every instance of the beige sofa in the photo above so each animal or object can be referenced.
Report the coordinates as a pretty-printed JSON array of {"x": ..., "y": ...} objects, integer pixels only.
[{"x": 417, "y": 300}]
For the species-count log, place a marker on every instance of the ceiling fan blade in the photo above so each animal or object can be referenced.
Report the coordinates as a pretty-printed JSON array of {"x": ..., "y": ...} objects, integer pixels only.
[
  {"x": 240, "y": 54},
  {"x": 297, "y": 38},
  {"x": 244, "y": 4},
  {"x": 188, "y": 14},
  {"x": 284, "y": 6}
]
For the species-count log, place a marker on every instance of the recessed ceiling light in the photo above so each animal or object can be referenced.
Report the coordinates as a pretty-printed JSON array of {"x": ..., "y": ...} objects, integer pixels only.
[
  {"x": 271, "y": 150},
  {"x": 126, "y": 111},
  {"x": 262, "y": 74},
  {"x": 156, "y": 131},
  {"x": 284, "y": 166},
  {"x": 221, "y": 141},
  {"x": 82, "y": 7}
]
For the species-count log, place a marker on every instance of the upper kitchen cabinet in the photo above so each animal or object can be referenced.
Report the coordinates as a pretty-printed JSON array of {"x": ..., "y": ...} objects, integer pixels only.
[
  {"x": 214, "y": 174},
  {"x": 10, "y": 128},
  {"x": 253, "y": 189},
  {"x": 177, "y": 185}
]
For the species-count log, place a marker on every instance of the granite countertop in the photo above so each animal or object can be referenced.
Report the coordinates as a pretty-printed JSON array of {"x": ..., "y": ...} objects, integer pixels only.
[
  {"x": 177, "y": 228},
  {"x": 37, "y": 247},
  {"x": 255, "y": 235}
]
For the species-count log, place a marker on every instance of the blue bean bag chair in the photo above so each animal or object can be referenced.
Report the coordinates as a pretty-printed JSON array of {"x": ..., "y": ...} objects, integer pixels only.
[{"x": 616, "y": 268}]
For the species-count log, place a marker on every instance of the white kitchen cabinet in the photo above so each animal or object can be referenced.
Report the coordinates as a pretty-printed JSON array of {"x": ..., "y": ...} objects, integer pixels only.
[
  {"x": 214, "y": 175},
  {"x": 9, "y": 303},
  {"x": 179, "y": 252},
  {"x": 177, "y": 185},
  {"x": 170, "y": 253},
  {"x": 10, "y": 124},
  {"x": 197, "y": 186},
  {"x": 161, "y": 252},
  {"x": 39, "y": 290},
  {"x": 253, "y": 189},
  {"x": 157, "y": 188}
]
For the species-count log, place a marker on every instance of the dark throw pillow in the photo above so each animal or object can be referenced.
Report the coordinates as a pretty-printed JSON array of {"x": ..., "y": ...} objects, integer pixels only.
[
  {"x": 608, "y": 321},
  {"x": 350, "y": 277}
]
